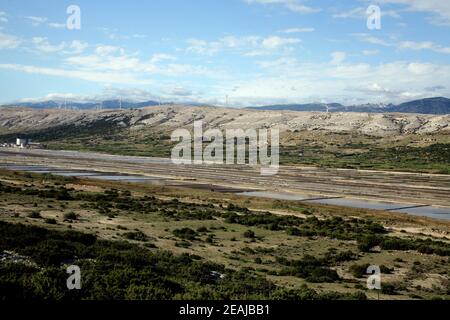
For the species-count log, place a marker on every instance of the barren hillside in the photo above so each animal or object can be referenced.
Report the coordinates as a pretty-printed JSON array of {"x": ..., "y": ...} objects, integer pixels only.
[{"x": 170, "y": 117}]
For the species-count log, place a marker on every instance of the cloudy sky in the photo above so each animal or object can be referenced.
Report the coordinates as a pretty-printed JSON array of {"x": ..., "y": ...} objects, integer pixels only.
[{"x": 253, "y": 51}]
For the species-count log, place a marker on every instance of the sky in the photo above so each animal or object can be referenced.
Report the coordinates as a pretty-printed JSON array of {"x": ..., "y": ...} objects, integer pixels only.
[{"x": 225, "y": 52}]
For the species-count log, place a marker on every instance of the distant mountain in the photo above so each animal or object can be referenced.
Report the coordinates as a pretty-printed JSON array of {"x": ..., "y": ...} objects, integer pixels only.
[
  {"x": 323, "y": 107},
  {"x": 107, "y": 104},
  {"x": 369, "y": 107},
  {"x": 437, "y": 106},
  {"x": 303, "y": 107}
]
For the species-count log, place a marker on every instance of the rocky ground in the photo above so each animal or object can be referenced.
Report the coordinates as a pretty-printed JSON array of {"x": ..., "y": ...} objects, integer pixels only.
[{"x": 169, "y": 117}]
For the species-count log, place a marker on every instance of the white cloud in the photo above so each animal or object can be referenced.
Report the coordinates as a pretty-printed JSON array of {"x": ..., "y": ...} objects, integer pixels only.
[
  {"x": 42, "y": 44},
  {"x": 139, "y": 36},
  {"x": 115, "y": 59},
  {"x": 3, "y": 17},
  {"x": 105, "y": 60},
  {"x": 416, "y": 45},
  {"x": 8, "y": 41},
  {"x": 425, "y": 45},
  {"x": 162, "y": 57},
  {"x": 290, "y": 81},
  {"x": 370, "y": 52},
  {"x": 246, "y": 46},
  {"x": 276, "y": 42},
  {"x": 203, "y": 47},
  {"x": 104, "y": 50},
  {"x": 292, "y": 5},
  {"x": 411, "y": 45},
  {"x": 368, "y": 38},
  {"x": 439, "y": 9},
  {"x": 105, "y": 63},
  {"x": 168, "y": 92},
  {"x": 107, "y": 93},
  {"x": 57, "y": 25},
  {"x": 180, "y": 92},
  {"x": 113, "y": 34},
  {"x": 353, "y": 13},
  {"x": 338, "y": 57},
  {"x": 225, "y": 43},
  {"x": 298, "y": 30},
  {"x": 78, "y": 46},
  {"x": 361, "y": 13},
  {"x": 101, "y": 77},
  {"x": 36, "y": 21}
]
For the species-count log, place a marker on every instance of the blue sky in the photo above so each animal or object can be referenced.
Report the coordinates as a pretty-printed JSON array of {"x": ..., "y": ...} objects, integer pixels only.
[{"x": 253, "y": 51}]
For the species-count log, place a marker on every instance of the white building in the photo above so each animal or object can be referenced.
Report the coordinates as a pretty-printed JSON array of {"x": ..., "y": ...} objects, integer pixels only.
[{"x": 22, "y": 142}]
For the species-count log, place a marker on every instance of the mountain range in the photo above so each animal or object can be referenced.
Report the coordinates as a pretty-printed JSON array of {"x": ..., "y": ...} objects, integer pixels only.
[
  {"x": 106, "y": 104},
  {"x": 436, "y": 106}
]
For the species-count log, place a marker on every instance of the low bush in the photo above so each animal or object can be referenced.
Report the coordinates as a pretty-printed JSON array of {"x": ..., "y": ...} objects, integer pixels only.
[
  {"x": 70, "y": 216},
  {"x": 34, "y": 215},
  {"x": 185, "y": 233},
  {"x": 136, "y": 236}
]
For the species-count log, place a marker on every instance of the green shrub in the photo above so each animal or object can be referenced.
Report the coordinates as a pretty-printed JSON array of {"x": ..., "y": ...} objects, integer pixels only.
[
  {"x": 185, "y": 233},
  {"x": 389, "y": 289},
  {"x": 249, "y": 234},
  {"x": 34, "y": 215},
  {"x": 359, "y": 270},
  {"x": 136, "y": 236},
  {"x": 50, "y": 221},
  {"x": 70, "y": 216},
  {"x": 366, "y": 243}
]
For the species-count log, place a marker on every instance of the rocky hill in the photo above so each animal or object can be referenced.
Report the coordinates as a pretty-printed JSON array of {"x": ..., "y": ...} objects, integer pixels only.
[{"x": 167, "y": 118}]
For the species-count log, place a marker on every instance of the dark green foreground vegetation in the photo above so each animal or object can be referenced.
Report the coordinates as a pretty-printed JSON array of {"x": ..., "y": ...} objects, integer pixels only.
[
  {"x": 140, "y": 264},
  {"x": 119, "y": 270},
  {"x": 366, "y": 232}
]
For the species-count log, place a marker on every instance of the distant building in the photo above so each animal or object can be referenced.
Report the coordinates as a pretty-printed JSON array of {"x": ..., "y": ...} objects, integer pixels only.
[{"x": 22, "y": 142}]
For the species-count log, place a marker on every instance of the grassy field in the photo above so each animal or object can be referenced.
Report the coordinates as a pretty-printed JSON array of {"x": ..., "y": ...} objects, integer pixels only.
[
  {"x": 416, "y": 153},
  {"x": 262, "y": 249}
]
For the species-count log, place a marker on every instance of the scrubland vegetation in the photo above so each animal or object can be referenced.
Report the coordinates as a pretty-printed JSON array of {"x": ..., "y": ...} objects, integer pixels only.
[
  {"x": 416, "y": 153},
  {"x": 136, "y": 242}
]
